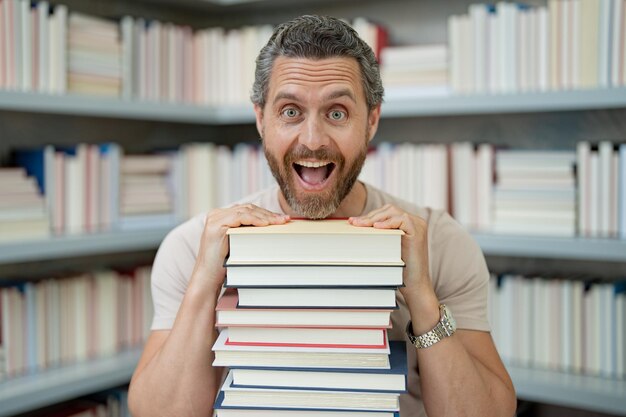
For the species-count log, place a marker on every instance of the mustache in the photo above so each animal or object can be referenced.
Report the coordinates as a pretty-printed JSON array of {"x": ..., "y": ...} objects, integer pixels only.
[{"x": 302, "y": 152}]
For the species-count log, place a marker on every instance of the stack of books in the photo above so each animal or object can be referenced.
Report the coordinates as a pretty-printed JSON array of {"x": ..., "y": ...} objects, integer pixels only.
[
  {"x": 23, "y": 212},
  {"x": 304, "y": 321},
  {"x": 146, "y": 191},
  {"x": 535, "y": 193},
  {"x": 94, "y": 56}
]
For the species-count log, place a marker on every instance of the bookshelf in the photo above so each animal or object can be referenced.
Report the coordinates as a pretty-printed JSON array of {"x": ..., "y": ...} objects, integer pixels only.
[
  {"x": 393, "y": 107},
  {"x": 579, "y": 391},
  {"x": 33, "y": 391},
  {"x": 80, "y": 245},
  {"x": 30, "y": 392}
]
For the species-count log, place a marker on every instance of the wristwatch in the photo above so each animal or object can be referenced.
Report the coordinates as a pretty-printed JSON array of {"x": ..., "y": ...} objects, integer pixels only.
[{"x": 444, "y": 328}]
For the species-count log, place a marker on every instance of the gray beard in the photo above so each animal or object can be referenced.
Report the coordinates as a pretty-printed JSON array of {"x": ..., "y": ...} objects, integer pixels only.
[{"x": 322, "y": 205}]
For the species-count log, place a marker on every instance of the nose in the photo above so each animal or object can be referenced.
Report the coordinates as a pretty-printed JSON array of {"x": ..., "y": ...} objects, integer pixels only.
[{"x": 313, "y": 134}]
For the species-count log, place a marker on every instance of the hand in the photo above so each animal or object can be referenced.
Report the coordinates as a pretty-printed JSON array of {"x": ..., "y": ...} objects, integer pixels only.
[
  {"x": 418, "y": 290},
  {"x": 214, "y": 242}
]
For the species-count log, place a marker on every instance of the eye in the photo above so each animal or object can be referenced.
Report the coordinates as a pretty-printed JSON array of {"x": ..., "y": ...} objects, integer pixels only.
[
  {"x": 290, "y": 112},
  {"x": 337, "y": 115}
]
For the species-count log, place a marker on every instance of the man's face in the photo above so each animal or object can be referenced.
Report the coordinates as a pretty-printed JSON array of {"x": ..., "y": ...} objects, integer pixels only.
[{"x": 315, "y": 128}]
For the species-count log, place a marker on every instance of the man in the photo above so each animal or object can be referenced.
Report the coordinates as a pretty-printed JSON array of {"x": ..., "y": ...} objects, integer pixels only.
[{"x": 317, "y": 97}]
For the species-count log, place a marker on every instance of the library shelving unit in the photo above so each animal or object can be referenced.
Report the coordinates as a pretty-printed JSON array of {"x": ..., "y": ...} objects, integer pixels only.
[
  {"x": 445, "y": 105},
  {"x": 29, "y": 392}
]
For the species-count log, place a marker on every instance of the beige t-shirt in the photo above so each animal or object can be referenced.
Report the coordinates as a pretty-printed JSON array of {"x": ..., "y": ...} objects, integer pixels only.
[{"x": 457, "y": 269}]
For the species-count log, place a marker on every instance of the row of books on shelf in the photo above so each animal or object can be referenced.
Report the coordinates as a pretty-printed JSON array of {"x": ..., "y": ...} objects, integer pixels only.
[
  {"x": 52, "y": 322},
  {"x": 108, "y": 403},
  {"x": 502, "y": 48},
  {"x": 91, "y": 188},
  {"x": 319, "y": 342},
  {"x": 49, "y": 49},
  {"x": 512, "y": 47},
  {"x": 571, "y": 325}
]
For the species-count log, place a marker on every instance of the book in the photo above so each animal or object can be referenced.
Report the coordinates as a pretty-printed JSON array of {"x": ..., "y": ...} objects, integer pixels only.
[
  {"x": 318, "y": 297},
  {"x": 311, "y": 241},
  {"x": 260, "y": 412},
  {"x": 298, "y": 357},
  {"x": 312, "y": 275},
  {"x": 228, "y": 314},
  {"x": 392, "y": 379},
  {"x": 307, "y": 336},
  {"x": 231, "y": 396}
]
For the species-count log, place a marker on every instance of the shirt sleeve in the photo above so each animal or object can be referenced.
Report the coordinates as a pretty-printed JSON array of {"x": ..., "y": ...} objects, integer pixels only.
[
  {"x": 171, "y": 272},
  {"x": 461, "y": 276}
]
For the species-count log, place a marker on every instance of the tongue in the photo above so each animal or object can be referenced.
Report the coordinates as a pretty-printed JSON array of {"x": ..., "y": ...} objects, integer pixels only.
[{"x": 313, "y": 176}]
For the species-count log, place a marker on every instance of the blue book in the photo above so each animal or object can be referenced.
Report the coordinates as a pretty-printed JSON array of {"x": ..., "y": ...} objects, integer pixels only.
[
  {"x": 621, "y": 179},
  {"x": 329, "y": 379}
]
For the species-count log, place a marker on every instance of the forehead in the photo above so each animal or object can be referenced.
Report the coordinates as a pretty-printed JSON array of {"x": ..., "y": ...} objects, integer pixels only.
[{"x": 315, "y": 74}]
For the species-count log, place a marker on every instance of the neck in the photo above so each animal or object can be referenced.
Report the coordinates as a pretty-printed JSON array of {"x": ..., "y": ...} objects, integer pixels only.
[{"x": 352, "y": 205}]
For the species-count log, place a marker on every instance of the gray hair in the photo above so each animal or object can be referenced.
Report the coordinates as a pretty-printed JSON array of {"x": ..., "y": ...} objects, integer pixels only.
[{"x": 317, "y": 37}]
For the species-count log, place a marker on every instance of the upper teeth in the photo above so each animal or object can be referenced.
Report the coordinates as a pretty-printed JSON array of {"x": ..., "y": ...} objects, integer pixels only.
[{"x": 312, "y": 164}]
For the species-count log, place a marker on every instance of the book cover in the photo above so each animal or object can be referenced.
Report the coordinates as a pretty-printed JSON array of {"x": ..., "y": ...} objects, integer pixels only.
[
  {"x": 392, "y": 379},
  {"x": 308, "y": 241}
]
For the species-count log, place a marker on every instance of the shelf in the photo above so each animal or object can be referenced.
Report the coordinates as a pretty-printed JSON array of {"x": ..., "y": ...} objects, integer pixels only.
[
  {"x": 612, "y": 250},
  {"x": 81, "y": 245},
  {"x": 458, "y": 105},
  {"x": 78, "y": 105},
  {"x": 30, "y": 392},
  {"x": 577, "y": 391},
  {"x": 243, "y": 114}
]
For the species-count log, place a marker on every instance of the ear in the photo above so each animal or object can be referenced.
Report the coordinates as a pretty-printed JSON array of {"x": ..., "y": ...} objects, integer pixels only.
[
  {"x": 372, "y": 122},
  {"x": 258, "y": 113}
]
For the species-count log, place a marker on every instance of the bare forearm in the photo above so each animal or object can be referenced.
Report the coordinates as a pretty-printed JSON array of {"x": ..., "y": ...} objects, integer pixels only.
[
  {"x": 179, "y": 380},
  {"x": 453, "y": 383}
]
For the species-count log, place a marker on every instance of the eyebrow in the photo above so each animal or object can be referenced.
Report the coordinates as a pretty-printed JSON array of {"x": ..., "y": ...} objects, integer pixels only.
[{"x": 344, "y": 92}]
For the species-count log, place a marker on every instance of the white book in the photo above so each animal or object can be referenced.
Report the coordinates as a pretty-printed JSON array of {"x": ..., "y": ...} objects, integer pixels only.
[
  {"x": 463, "y": 183},
  {"x": 620, "y": 331},
  {"x": 231, "y": 396},
  {"x": 478, "y": 18},
  {"x": 576, "y": 340},
  {"x": 43, "y": 71},
  {"x": 454, "y": 39},
  {"x": 317, "y": 297},
  {"x": 250, "y": 412},
  {"x": 306, "y": 336},
  {"x": 604, "y": 46},
  {"x": 61, "y": 12},
  {"x": 526, "y": 322},
  {"x": 588, "y": 50},
  {"x": 583, "y": 150},
  {"x": 493, "y": 53},
  {"x": 298, "y": 357},
  {"x": 524, "y": 40},
  {"x": 79, "y": 320},
  {"x": 27, "y": 44},
  {"x": 554, "y": 15},
  {"x": 3, "y": 84},
  {"x": 565, "y": 41},
  {"x": 594, "y": 194},
  {"x": 555, "y": 322},
  {"x": 607, "y": 330},
  {"x": 543, "y": 49},
  {"x": 617, "y": 42},
  {"x": 575, "y": 43},
  {"x": 614, "y": 196},
  {"x": 127, "y": 25},
  {"x": 40, "y": 303},
  {"x": 567, "y": 325},
  {"x": 622, "y": 191},
  {"x": 605, "y": 154}
]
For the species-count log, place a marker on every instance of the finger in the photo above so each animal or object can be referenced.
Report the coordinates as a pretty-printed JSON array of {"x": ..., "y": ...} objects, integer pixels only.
[
  {"x": 261, "y": 212},
  {"x": 386, "y": 211},
  {"x": 248, "y": 218}
]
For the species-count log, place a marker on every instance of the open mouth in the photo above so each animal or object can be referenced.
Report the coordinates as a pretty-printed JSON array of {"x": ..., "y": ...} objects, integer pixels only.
[{"x": 314, "y": 173}]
